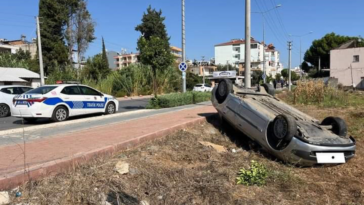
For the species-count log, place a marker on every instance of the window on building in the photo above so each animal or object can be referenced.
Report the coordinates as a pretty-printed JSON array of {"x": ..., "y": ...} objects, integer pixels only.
[
  {"x": 254, "y": 46},
  {"x": 356, "y": 58}
]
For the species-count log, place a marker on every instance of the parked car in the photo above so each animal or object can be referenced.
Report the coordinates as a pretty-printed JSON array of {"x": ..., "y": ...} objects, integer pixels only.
[
  {"x": 202, "y": 88},
  {"x": 282, "y": 130},
  {"x": 60, "y": 101},
  {"x": 7, "y": 93}
]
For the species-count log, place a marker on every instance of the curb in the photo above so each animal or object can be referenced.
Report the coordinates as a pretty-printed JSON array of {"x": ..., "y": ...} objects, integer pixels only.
[
  {"x": 54, "y": 167},
  {"x": 57, "y": 124}
]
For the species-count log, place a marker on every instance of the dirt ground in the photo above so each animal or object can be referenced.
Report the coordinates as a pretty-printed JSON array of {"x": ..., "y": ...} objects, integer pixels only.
[{"x": 179, "y": 170}]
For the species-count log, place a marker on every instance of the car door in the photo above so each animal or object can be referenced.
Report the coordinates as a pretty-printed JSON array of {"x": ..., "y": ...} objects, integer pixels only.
[
  {"x": 7, "y": 95},
  {"x": 94, "y": 100},
  {"x": 74, "y": 99}
]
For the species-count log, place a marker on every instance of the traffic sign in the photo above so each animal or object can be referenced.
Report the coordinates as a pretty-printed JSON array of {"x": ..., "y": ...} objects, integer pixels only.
[
  {"x": 264, "y": 76},
  {"x": 183, "y": 66}
]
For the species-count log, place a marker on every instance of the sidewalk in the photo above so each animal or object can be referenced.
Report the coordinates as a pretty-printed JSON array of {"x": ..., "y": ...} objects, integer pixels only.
[{"x": 63, "y": 151}]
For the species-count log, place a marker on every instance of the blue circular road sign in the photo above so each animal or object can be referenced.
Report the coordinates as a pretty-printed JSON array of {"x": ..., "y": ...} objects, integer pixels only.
[{"x": 183, "y": 66}]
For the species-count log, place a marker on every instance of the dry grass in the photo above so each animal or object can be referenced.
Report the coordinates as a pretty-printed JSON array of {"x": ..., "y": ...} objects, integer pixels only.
[{"x": 179, "y": 170}]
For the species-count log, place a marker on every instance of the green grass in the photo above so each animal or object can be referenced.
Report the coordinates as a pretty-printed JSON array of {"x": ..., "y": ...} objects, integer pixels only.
[
  {"x": 178, "y": 99},
  {"x": 255, "y": 175}
]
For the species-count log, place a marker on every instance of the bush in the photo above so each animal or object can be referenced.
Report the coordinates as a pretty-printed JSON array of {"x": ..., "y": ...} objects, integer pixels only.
[
  {"x": 256, "y": 175},
  {"x": 315, "y": 92},
  {"x": 178, "y": 99}
]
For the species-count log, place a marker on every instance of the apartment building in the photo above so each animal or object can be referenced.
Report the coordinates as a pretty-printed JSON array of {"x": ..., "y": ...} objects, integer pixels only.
[
  {"x": 13, "y": 46},
  {"x": 124, "y": 60},
  {"x": 233, "y": 53}
]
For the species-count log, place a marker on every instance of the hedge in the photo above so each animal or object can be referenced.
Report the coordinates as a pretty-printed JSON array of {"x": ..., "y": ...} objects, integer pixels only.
[{"x": 178, "y": 99}]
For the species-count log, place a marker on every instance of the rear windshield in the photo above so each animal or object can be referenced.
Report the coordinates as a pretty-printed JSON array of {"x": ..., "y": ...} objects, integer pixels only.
[
  {"x": 198, "y": 85},
  {"x": 41, "y": 90}
]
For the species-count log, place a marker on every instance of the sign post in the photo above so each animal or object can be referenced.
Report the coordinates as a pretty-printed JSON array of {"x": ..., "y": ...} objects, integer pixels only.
[{"x": 183, "y": 67}]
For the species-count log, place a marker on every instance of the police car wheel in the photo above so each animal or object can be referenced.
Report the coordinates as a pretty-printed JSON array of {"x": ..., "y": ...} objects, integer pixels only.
[
  {"x": 4, "y": 110},
  {"x": 110, "y": 108},
  {"x": 60, "y": 114}
]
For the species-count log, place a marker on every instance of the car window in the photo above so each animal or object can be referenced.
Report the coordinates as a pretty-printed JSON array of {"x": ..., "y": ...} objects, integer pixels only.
[
  {"x": 71, "y": 90},
  {"x": 198, "y": 86},
  {"x": 209, "y": 86},
  {"x": 24, "y": 89},
  {"x": 88, "y": 91},
  {"x": 42, "y": 90},
  {"x": 8, "y": 91}
]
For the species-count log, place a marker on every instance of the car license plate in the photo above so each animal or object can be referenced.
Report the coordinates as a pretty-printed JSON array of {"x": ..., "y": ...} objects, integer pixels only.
[{"x": 330, "y": 158}]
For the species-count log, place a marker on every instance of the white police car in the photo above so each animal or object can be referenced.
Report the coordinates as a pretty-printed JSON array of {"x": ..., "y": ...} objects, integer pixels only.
[{"x": 58, "y": 102}]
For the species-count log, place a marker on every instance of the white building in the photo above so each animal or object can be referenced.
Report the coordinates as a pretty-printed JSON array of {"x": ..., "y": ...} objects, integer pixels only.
[
  {"x": 233, "y": 53},
  {"x": 19, "y": 76}
]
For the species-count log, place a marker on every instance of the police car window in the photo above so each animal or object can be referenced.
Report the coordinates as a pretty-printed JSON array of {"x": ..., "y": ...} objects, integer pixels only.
[
  {"x": 24, "y": 89},
  {"x": 88, "y": 91},
  {"x": 42, "y": 90},
  {"x": 71, "y": 90},
  {"x": 8, "y": 90}
]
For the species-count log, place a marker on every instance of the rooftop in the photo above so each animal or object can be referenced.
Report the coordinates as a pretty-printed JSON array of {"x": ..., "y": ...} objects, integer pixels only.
[
  {"x": 237, "y": 41},
  {"x": 16, "y": 74}
]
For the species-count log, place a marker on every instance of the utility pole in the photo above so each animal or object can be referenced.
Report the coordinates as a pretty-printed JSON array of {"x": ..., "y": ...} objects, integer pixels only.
[
  {"x": 203, "y": 69},
  {"x": 319, "y": 64},
  {"x": 183, "y": 45},
  {"x": 289, "y": 64},
  {"x": 264, "y": 72},
  {"x": 247, "y": 44},
  {"x": 40, "y": 54}
]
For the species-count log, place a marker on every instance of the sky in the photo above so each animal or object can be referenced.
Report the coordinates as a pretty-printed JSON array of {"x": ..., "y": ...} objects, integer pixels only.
[{"x": 208, "y": 22}]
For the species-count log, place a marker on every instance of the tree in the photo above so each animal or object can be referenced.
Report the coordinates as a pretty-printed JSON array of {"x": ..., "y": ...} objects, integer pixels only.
[
  {"x": 105, "y": 62},
  {"x": 257, "y": 77},
  {"x": 278, "y": 77},
  {"x": 53, "y": 15},
  {"x": 153, "y": 44},
  {"x": 321, "y": 49},
  {"x": 84, "y": 29},
  {"x": 285, "y": 75}
]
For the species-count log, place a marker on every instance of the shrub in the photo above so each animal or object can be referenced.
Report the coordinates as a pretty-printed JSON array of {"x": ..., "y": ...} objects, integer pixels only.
[
  {"x": 315, "y": 92},
  {"x": 178, "y": 99},
  {"x": 256, "y": 175}
]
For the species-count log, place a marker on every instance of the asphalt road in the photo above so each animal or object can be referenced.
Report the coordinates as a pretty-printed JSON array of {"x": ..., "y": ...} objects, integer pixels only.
[{"x": 124, "y": 106}]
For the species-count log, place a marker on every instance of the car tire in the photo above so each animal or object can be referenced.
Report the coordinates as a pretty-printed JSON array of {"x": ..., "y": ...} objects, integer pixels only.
[
  {"x": 269, "y": 88},
  {"x": 110, "y": 108},
  {"x": 60, "y": 114},
  {"x": 224, "y": 88},
  {"x": 338, "y": 125},
  {"x": 284, "y": 127},
  {"x": 30, "y": 120},
  {"x": 4, "y": 110}
]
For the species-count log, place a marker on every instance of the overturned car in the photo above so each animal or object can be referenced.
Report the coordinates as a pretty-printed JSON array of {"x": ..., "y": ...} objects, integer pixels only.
[{"x": 280, "y": 129}]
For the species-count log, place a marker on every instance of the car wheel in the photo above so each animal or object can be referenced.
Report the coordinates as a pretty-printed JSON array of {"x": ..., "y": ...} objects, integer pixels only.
[
  {"x": 110, "y": 108},
  {"x": 269, "y": 88},
  {"x": 284, "y": 127},
  {"x": 338, "y": 125},
  {"x": 223, "y": 90},
  {"x": 30, "y": 120},
  {"x": 4, "y": 110},
  {"x": 60, "y": 114}
]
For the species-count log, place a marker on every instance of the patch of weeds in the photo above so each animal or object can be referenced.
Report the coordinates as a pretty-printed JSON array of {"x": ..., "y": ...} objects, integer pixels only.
[{"x": 256, "y": 175}]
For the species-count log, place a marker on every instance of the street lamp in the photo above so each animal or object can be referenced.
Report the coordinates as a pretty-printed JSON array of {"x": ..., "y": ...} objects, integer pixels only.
[
  {"x": 263, "y": 13},
  {"x": 300, "y": 36}
]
